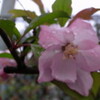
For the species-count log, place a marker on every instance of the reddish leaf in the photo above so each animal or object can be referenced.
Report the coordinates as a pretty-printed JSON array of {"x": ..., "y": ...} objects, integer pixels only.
[
  {"x": 39, "y": 3},
  {"x": 85, "y": 14}
]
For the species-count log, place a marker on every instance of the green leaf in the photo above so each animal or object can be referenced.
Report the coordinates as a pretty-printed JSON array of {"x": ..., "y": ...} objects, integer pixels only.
[
  {"x": 22, "y": 13},
  {"x": 70, "y": 92},
  {"x": 96, "y": 82},
  {"x": 62, "y": 5},
  {"x": 9, "y": 27},
  {"x": 45, "y": 18},
  {"x": 37, "y": 49},
  {"x": 6, "y": 55}
]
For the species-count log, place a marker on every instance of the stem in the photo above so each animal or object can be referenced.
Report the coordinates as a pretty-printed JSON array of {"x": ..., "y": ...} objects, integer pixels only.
[
  {"x": 22, "y": 45},
  {"x": 11, "y": 49},
  {"x": 26, "y": 48},
  {"x": 26, "y": 70},
  {"x": 98, "y": 95}
]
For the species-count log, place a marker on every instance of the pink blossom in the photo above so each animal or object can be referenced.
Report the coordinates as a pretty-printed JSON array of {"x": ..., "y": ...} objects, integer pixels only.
[
  {"x": 3, "y": 63},
  {"x": 70, "y": 55}
]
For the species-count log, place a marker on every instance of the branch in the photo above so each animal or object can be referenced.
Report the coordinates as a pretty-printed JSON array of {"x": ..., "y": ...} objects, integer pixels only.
[
  {"x": 8, "y": 43},
  {"x": 21, "y": 67},
  {"x": 27, "y": 70}
]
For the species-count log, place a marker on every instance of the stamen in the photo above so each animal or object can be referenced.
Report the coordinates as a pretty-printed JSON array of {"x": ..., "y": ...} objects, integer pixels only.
[{"x": 69, "y": 51}]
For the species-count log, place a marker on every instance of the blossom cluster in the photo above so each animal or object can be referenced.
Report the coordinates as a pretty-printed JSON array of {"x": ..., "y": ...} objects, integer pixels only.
[{"x": 71, "y": 54}]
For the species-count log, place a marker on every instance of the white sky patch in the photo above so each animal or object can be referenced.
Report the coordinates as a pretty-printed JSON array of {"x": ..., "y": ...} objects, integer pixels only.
[
  {"x": 0, "y": 4},
  {"x": 83, "y": 4},
  {"x": 77, "y": 5}
]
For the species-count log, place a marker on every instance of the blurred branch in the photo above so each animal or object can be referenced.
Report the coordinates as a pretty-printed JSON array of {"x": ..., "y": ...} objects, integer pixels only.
[
  {"x": 27, "y": 70},
  {"x": 9, "y": 44},
  {"x": 21, "y": 67}
]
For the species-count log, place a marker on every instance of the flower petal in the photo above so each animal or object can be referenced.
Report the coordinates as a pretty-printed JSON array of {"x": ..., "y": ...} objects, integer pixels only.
[
  {"x": 86, "y": 44},
  {"x": 3, "y": 63},
  {"x": 68, "y": 35},
  {"x": 63, "y": 69},
  {"x": 81, "y": 61},
  {"x": 92, "y": 58},
  {"x": 45, "y": 61},
  {"x": 83, "y": 31},
  {"x": 83, "y": 83},
  {"x": 7, "y": 62},
  {"x": 54, "y": 35}
]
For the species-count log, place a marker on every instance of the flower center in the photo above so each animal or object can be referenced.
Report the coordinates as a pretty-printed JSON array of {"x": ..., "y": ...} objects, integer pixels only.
[{"x": 70, "y": 51}]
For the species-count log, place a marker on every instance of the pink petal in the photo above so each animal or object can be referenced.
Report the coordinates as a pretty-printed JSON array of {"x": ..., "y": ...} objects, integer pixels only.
[
  {"x": 7, "y": 62},
  {"x": 86, "y": 44},
  {"x": 92, "y": 58},
  {"x": 83, "y": 31},
  {"x": 45, "y": 61},
  {"x": 68, "y": 35},
  {"x": 54, "y": 48},
  {"x": 81, "y": 61},
  {"x": 83, "y": 83},
  {"x": 3, "y": 63},
  {"x": 54, "y": 35},
  {"x": 63, "y": 69}
]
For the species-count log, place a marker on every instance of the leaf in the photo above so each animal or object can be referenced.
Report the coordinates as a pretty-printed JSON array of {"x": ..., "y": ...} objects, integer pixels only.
[
  {"x": 39, "y": 3},
  {"x": 45, "y": 18},
  {"x": 6, "y": 55},
  {"x": 62, "y": 5},
  {"x": 70, "y": 92},
  {"x": 85, "y": 14},
  {"x": 37, "y": 49},
  {"x": 27, "y": 19},
  {"x": 96, "y": 82},
  {"x": 22, "y": 13},
  {"x": 9, "y": 27}
]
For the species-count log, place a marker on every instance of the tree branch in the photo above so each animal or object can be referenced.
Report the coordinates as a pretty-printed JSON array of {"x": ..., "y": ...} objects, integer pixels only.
[
  {"x": 27, "y": 70},
  {"x": 8, "y": 43}
]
